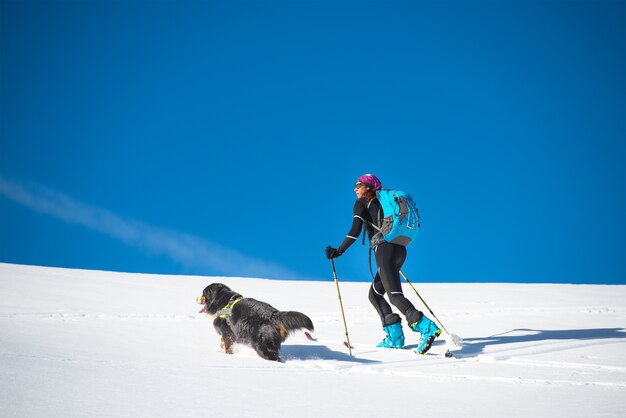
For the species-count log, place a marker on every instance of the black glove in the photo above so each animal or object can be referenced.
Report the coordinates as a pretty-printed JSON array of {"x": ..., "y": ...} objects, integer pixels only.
[{"x": 332, "y": 252}]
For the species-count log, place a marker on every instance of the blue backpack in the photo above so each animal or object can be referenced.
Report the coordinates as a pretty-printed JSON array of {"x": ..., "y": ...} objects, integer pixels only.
[{"x": 400, "y": 221}]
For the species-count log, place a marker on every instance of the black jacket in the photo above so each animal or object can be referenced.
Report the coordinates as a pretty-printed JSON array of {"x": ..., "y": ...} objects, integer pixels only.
[{"x": 363, "y": 211}]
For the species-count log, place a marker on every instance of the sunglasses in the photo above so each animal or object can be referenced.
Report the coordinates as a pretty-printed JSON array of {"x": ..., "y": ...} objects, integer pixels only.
[{"x": 359, "y": 185}]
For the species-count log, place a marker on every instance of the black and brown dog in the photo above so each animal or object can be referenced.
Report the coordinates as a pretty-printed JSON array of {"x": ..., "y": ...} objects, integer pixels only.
[{"x": 249, "y": 321}]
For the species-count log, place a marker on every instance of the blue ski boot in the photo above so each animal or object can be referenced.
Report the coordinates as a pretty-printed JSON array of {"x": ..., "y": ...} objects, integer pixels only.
[
  {"x": 429, "y": 331},
  {"x": 394, "y": 338}
]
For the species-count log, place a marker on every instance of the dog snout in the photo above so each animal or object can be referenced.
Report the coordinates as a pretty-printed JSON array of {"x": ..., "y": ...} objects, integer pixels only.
[{"x": 201, "y": 300}]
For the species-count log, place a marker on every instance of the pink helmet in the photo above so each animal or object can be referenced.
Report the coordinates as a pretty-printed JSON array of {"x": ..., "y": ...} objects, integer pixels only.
[{"x": 370, "y": 181}]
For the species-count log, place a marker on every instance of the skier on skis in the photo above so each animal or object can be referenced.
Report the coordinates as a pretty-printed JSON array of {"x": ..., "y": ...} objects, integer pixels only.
[{"x": 389, "y": 259}]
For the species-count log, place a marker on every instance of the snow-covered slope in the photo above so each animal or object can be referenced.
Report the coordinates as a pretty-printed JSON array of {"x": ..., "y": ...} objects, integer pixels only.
[{"x": 76, "y": 343}]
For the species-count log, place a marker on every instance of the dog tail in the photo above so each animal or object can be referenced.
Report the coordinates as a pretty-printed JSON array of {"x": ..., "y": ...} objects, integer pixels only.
[{"x": 290, "y": 321}]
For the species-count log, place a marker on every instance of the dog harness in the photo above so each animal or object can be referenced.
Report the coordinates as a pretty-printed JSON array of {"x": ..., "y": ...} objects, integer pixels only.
[{"x": 227, "y": 310}]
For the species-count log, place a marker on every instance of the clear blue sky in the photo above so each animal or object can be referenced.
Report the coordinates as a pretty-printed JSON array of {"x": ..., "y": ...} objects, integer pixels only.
[{"x": 225, "y": 137}]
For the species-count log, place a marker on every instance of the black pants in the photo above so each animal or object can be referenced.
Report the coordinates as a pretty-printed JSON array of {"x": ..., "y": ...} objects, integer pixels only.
[{"x": 389, "y": 259}]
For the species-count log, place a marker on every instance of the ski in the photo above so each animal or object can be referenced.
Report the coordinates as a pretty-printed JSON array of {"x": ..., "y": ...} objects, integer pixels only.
[{"x": 413, "y": 351}]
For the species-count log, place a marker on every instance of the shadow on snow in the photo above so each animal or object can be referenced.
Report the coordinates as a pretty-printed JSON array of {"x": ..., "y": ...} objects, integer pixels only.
[
  {"x": 318, "y": 352},
  {"x": 475, "y": 346}
]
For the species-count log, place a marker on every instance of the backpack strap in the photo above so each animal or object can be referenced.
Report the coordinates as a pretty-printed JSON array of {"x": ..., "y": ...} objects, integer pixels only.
[
  {"x": 371, "y": 223},
  {"x": 369, "y": 257},
  {"x": 380, "y": 221}
]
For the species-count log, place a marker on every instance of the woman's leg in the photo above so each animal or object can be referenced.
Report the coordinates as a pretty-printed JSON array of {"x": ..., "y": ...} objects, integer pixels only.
[
  {"x": 389, "y": 259},
  {"x": 376, "y": 298}
]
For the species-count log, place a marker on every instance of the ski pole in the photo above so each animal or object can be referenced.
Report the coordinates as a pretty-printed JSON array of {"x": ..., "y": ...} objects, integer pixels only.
[
  {"x": 425, "y": 304},
  {"x": 345, "y": 326}
]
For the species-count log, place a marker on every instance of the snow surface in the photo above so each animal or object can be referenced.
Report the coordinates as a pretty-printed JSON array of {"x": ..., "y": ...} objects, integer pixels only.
[{"x": 77, "y": 343}]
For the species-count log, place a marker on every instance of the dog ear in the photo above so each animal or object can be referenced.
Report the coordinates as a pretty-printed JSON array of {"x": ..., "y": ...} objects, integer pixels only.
[{"x": 216, "y": 288}]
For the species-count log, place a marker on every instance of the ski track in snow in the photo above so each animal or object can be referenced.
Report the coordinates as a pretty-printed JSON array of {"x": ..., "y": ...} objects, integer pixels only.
[
  {"x": 412, "y": 366},
  {"x": 367, "y": 353}
]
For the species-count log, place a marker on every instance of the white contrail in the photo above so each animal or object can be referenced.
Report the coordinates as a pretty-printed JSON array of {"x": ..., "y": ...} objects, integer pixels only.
[{"x": 188, "y": 250}]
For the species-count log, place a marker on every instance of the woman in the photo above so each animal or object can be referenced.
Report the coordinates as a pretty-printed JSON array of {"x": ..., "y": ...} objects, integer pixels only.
[{"x": 389, "y": 259}]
